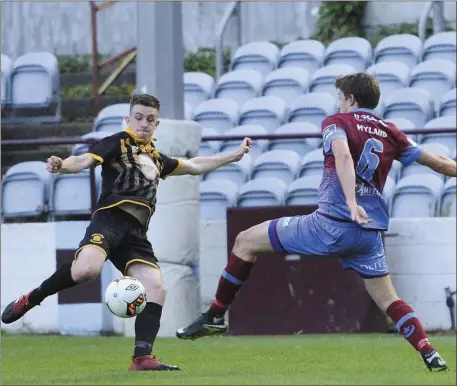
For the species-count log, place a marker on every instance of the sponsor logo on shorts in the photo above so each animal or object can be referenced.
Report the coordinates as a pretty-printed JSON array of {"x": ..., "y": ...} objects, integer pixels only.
[
  {"x": 378, "y": 266},
  {"x": 286, "y": 221},
  {"x": 97, "y": 238}
]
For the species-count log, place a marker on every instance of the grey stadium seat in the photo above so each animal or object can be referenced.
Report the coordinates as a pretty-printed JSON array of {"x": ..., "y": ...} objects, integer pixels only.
[
  {"x": 304, "y": 191},
  {"x": 391, "y": 76},
  {"x": 312, "y": 164},
  {"x": 220, "y": 114},
  {"x": 35, "y": 85},
  {"x": 312, "y": 108},
  {"x": 209, "y": 148},
  {"x": 283, "y": 164},
  {"x": 70, "y": 193},
  {"x": 286, "y": 83},
  {"x": 395, "y": 170},
  {"x": 25, "y": 190},
  {"x": 448, "y": 202},
  {"x": 111, "y": 118},
  {"x": 215, "y": 197},
  {"x": 354, "y": 51},
  {"x": 417, "y": 168},
  {"x": 267, "y": 111},
  {"x": 403, "y": 48},
  {"x": 389, "y": 190},
  {"x": 447, "y": 139},
  {"x": 301, "y": 146},
  {"x": 441, "y": 45},
  {"x": 323, "y": 80},
  {"x": 258, "y": 145},
  {"x": 448, "y": 104},
  {"x": 416, "y": 196},
  {"x": 260, "y": 56},
  {"x": 188, "y": 112},
  {"x": 411, "y": 103},
  {"x": 237, "y": 172},
  {"x": 82, "y": 148},
  {"x": 6, "y": 67},
  {"x": 198, "y": 87},
  {"x": 307, "y": 54},
  {"x": 437, "y": 76},
  {"x": 262, "y": 192},
  {"x": 239, "y": 85}
]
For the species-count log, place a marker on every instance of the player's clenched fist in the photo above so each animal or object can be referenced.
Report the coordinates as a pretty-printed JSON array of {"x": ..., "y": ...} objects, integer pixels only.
[
  {"x": 244, "y": 148},
  {"x": 54, "y": 164}
]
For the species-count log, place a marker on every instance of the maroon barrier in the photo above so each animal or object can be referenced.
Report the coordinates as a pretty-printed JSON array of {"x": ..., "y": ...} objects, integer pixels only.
[{"x": 309, "y": 296}]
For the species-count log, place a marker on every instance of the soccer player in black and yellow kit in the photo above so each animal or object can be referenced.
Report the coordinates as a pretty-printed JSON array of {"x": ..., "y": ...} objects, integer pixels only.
[{"x": 131, "y": 168}]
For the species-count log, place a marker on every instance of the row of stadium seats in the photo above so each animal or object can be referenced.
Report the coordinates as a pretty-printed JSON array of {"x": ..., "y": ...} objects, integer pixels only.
[
  {"x": 414, "y": 196},
  {"x": 436, "y": 76}
]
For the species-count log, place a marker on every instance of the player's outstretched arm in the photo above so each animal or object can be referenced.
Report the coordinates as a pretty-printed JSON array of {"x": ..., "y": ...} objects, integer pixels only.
[
  {"x": 438, "y": 163},
  {"x": 201, "y": 165},
  {"x": 70, "y": 165}
]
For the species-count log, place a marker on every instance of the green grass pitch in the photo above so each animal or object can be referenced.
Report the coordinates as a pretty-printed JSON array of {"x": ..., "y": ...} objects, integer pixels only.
[{"x": 354, "y": 359}]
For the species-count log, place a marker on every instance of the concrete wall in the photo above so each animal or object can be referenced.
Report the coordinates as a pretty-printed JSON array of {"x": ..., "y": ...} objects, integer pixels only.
[{"x": 64, "y": 27}]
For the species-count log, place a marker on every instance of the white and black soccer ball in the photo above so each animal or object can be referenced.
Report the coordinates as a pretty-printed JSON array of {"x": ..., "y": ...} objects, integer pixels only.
[{"x": 125, "y": 297}]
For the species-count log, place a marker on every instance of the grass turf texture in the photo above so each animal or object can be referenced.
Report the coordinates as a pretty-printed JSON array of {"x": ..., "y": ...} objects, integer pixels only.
[{"x": 306, "y": 359}]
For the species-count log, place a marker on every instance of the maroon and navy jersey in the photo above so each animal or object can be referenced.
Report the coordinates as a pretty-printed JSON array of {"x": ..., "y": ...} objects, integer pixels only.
[{"x": 374, "y": 145}]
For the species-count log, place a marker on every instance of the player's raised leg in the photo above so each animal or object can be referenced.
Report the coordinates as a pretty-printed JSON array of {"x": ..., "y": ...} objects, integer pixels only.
[
  {"x": 147, "y": 324},
  {"x": 87, "y": 266},
  {"x": 247, "y": 245},
  {"x": 406, "y": 321}
]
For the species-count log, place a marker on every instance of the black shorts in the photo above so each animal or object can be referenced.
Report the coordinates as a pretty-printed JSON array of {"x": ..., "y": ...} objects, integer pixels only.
[{"x": 121, "y": 237}]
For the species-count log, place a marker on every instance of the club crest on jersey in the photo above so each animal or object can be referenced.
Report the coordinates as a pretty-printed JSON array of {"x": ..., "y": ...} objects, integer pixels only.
[{"x": 329, "y": 130}]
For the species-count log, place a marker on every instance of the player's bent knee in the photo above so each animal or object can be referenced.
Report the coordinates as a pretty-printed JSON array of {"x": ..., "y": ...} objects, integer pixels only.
[{"x": 88, "y": 264}]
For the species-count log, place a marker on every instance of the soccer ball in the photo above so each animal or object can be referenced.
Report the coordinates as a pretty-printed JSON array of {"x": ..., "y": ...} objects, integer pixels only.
[{"x": 125, "y": 297}]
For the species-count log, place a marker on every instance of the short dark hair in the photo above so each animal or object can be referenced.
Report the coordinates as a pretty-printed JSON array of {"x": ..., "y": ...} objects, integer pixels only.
[
  {"x": 363, "y": 86},
  {"x": 144, "y": 100}
]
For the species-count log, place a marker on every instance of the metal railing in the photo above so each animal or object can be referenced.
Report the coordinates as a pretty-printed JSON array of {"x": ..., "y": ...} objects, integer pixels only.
[
  {"x": 31, "y": 143},
  {"x": 233, "y": 9},
  {"x": 439, "y": 23}
]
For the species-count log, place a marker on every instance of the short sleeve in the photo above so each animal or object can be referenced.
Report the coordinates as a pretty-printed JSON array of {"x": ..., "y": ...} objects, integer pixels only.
[
  {"x": 408, "y": 151},
  {"x": 332, "y": 128},
  {"x": 105, "y": 149},
  {"x": 170, "y": 165}
]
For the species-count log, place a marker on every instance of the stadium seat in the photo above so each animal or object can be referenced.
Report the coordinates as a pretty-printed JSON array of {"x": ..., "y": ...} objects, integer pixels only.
[
  {"x": 110, "y": 118},
  {"x": 82, "y": 148},
  {"x": 323, "y": 80},
  {"x": 416, "y": 196},
  {"x": 403, "y": 48},
  {"x": 237, "y": 172},
  {"x": 402, "y": 123},
  {"x": 447, "y": 139},
  {"x": 354, "y": 51},
  {"x": 6, "y": 66},
  {"x": 283, "y": 164},
  {"x": 448, "y": 202},
  {"x": 188, "y": 112},
  {"x": 304, "y": 191},
  {"x": 267, "y": 111},
  {"x": 300, "y": 146},
  {"x": 395, "y": 170},
  {"x": 258, "y": 145},
  {"x": 411, "y": 103},
  {"x": 34, "y": 88},
  {"x": 215, "y": 197},
  {"x": 312, "y": 164},
  {"x": 441, "y": 45},
  {"x": 448, "y": 104},
  {"x": 417, "y": 168},
  {"x": 198, "y": 87},
  {"x": 220, "y": 114},
  {"x": 307, "y": 54},
  {"x": 239, "y": 85},
  {"x": 312, "y": 108},
  {"x": 389, "y": 189},
  {"x": 70, "y": 193},
  {"x": 260, "y": 56},
  {"x": 379, "y": 109},
  {"x": 391, "y": 76},
  {"x": 209, "y": 148},
  {"x": 286, "y": 83},
  {"x": 25, "y": 190},
  {"x": 437, "y": 76},
  {"x": 262, "y": 192}
]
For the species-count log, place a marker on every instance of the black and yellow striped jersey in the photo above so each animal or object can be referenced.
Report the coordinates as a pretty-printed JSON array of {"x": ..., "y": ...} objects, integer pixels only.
[{"x": 130, "y": 170}]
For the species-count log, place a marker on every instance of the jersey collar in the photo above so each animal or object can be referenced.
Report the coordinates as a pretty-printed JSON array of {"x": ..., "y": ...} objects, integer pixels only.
[
  {"x": 136, "y": 138},
  {"x": 362, "y": 110}
]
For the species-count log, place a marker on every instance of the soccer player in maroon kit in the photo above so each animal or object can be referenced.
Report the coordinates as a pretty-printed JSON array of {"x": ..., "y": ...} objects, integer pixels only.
[{"x": 359, "y": 149}]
